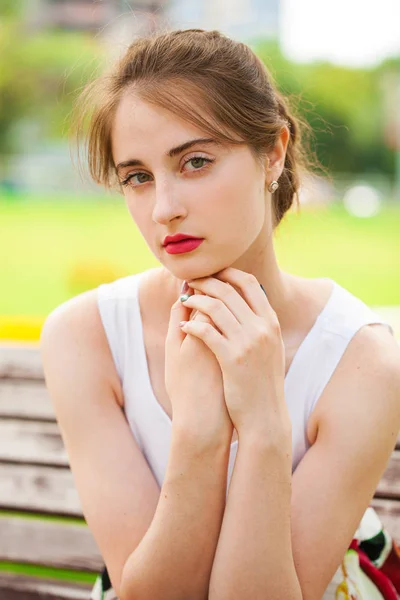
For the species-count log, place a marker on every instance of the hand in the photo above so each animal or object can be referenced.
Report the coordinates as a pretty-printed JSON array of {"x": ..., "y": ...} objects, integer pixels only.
[
  {"x": 245, "y": 336},
  {"x": 193, "y": 379}
]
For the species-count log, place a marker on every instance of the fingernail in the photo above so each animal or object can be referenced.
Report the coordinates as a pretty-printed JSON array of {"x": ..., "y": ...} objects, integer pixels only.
[
  {"x": 262, "y": 287},
  {"x": 182, "y": 323},
  {"x": 185, "y": 287},
  {"x": 184, "y": 297}
]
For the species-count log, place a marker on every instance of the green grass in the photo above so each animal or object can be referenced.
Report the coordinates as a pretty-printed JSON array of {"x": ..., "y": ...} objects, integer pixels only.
[{"x": 52, "y": 251}]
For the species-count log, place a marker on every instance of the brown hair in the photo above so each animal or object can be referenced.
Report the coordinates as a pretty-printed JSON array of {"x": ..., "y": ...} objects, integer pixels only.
[{"x": 227, "y": 79}]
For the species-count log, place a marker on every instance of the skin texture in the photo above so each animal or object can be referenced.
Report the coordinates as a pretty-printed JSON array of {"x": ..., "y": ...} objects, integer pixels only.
[{"x": 226, "y": 202}]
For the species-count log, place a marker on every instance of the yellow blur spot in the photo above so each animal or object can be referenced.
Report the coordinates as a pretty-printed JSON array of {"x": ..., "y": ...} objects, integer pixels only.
[{"x": 20, "y": 328}]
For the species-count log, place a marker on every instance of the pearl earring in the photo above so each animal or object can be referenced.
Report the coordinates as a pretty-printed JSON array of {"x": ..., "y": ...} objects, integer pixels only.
[{"x": 273, "y": 186}]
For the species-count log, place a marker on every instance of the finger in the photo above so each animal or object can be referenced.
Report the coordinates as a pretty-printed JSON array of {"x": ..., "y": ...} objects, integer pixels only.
[
  {"x": 209, "y": 335},
  {"x": 179, "y": 312},
  {"x": 249, "y": 287},
  {"x": 228, "y": 295},
  {"x": 218, "y": 312},
  {"x": 194, "y": 313}
]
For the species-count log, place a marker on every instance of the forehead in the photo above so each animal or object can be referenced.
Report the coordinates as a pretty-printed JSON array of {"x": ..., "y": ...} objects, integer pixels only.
[{"x": 139, "y": 126}]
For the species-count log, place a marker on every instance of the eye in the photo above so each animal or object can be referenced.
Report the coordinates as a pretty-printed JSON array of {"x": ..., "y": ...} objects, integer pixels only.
[
  {"x": 141, "y": 177},
  {"x": 130, "y": 178},
  {"x": 198, "y": 162}
]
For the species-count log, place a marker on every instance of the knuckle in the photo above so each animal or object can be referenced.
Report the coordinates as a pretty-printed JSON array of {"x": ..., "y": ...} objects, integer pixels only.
[
  {"x": 227, "y": 292},
  {"x": 275, "y": 326},
  {"x": 214, "y": 304},
  {"x": 202, "y": 317},
  {"x": 250, "y": 279},
  {"x": 263, "y": 334},
  {"x": 239, "y": 357},
  {"x": 203, "y": 328}
]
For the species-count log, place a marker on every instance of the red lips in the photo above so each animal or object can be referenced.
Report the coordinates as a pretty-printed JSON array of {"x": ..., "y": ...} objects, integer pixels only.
[{"x": 179, "y": 237}]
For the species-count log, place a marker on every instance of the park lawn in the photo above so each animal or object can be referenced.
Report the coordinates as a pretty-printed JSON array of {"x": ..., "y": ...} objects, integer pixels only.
[{"x": 52, "y": 251}]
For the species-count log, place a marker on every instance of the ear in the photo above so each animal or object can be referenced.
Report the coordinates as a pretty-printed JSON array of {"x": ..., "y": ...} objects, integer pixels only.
[{"x": 276, "y": 157}]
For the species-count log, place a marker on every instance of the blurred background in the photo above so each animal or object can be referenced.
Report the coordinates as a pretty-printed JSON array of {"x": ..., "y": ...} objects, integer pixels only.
[{"x": 338, "y": 61}]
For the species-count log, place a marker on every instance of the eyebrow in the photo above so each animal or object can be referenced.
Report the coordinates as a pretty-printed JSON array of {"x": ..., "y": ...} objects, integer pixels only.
[{"x": 135, "y": 162}]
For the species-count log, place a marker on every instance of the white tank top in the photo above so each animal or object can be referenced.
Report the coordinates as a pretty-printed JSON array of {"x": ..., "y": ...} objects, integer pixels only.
[{"x": 312, "y": 367}]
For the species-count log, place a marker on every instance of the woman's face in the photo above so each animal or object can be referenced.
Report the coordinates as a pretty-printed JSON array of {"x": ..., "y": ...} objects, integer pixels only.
[{"x": 208, "y": 190}]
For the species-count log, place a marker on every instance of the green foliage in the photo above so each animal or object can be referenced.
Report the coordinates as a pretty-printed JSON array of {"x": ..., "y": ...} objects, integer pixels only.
[
  {"x": 344, "y": 106},
  {"x": 10, "y": 8},
  {"x": 41, "y": 71},
  {"x": 39, "y": 76}
]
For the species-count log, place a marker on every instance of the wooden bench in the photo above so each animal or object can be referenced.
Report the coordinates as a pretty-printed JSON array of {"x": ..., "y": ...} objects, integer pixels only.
[{"x": 35, "y": 479}]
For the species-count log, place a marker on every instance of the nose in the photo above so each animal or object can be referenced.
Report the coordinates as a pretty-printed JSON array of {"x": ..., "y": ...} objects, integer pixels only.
[{"x": 167, "y": 205}]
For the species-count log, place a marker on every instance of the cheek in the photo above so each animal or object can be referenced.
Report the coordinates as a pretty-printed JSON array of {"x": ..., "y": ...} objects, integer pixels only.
[
  {"x": 139, "y": 217},
  {"x": 243, "y": 198},
  {"x": 132, "y": 211}
]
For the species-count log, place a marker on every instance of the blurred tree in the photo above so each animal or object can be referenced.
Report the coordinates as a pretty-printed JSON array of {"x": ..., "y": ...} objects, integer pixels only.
[
  {"x": 41, "y": 71},
  {"x": 344, "y": 106},
  {"x": 39, "y": 74},
  {"x": 9, "y": 8}
]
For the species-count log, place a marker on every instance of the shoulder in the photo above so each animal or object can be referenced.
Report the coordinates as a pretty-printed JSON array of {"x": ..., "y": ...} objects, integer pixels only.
[
  {"x": 366, "y": 378},
  {"x": 73, "y": 333},
  {"x": 373, "y": 354}
]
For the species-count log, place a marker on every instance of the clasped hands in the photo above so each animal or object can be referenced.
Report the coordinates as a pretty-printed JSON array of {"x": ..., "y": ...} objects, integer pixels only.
[{"x": 243, "y": 333}]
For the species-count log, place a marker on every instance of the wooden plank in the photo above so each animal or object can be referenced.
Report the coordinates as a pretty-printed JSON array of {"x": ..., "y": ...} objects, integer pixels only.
[
  {"x": 52, "y": 490},
  {"x": 389, "y": 485},
  {"x": 51, "y": 543},
  {"x": 39, "y": 489},
  {"x": 20, "y": 361},
  {"x": 24, "y": 362},
  {"x": 25, "y": 399},
  {"x": 22, "y": 587},
  {"x": 32, "y": 442},
  {"x": 389, "y": 513}
]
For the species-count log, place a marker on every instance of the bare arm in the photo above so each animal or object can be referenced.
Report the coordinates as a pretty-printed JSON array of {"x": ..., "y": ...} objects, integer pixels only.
[
  {"x": 174, "y": 560},
  {"x": 155, "y": 545},
  {"x": 254, "y": 556},
  {"x": 273, "y": 537},
  {"x": 175, "y": 557}
]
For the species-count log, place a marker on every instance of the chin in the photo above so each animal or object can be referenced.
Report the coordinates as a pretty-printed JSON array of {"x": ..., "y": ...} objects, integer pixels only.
[
  {"x": 200, "y": 263},
  {"x": 196, "y": 269}
]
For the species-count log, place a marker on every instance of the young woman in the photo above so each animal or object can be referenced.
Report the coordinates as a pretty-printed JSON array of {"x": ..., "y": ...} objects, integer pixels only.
[{"x": 214, "y": 438}]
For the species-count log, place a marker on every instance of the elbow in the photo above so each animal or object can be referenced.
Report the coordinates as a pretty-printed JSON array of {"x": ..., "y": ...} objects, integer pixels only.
[{"x": 126, "y": 591}]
